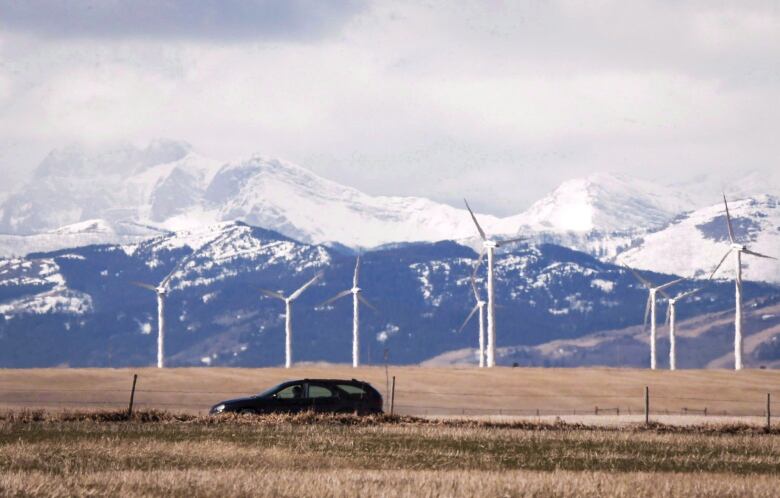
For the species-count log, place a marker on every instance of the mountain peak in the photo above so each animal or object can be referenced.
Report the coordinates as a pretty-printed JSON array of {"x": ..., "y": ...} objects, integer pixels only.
[{"x": 605, "y": 202}]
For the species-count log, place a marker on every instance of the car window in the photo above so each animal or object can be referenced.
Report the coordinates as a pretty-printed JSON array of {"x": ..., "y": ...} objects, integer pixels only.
[
  {"x": 316, "y": 391},
  {"x": 291, "y": 392},
  {"x": 352, "y": 390}
]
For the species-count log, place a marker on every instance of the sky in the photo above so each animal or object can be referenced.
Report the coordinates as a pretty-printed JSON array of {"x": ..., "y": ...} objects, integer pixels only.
[{"x": 491, "y": 100}]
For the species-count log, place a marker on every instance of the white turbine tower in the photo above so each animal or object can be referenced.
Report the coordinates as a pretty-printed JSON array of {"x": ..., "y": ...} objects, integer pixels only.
[
  {"x": 161, "y": 291},
  {"x": 671, "y": 314},
  {"x": 479, "y": 307},
  {"x": 357, "y": 298},
  {"x": 288, "y": 315},
  {"x": 738, "y": 249},
  {"x": 489, "y": 246},
  {"x": 650, "y": 310}
]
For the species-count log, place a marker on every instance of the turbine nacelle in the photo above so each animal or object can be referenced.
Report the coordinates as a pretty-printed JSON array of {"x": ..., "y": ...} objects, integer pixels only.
[
  {"x": 738, "y": 247},
  {"x": 489, "y": 244},
  {"x": 355, "y": 290}
]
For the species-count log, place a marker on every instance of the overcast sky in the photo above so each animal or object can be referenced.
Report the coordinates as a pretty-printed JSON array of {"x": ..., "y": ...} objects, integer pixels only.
[{"x": 497, "y": 101}]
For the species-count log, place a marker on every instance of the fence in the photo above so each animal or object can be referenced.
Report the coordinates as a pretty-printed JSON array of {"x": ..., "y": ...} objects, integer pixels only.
[{"x": 413, "y": 402}]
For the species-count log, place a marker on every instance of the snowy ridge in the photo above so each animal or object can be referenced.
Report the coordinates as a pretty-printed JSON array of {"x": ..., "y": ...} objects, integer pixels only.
[
  {"x": 48, "y": 292},
  {"x": 606, "y": 203},
  {"x": 693, "y": 245}
]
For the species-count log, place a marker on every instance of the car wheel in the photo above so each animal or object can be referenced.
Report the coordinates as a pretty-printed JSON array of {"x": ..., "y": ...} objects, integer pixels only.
[{"x": 247, "y": 411}]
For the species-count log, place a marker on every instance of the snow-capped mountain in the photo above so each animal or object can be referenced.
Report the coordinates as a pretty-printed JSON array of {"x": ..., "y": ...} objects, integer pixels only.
[
  {"x": 79, "y": 307},
  {"x": 296, "y": 202},
  {"x": 693, "y": 245},
  {"x": 79, "y": 197},
  {"x": 72, "y": 185},
  {"x": 168, "y": 186},
  {"x": 83, "y": 233},
  {"x": 605, "y": 203}
]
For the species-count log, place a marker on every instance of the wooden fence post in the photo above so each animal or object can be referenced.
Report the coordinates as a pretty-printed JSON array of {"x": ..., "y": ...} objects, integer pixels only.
[
  {"x": 392, "y": 397},
  {"x": 768, "y": 411},
  {"x": 647, "y": 405},
  {"x": 132, "y": 397}
]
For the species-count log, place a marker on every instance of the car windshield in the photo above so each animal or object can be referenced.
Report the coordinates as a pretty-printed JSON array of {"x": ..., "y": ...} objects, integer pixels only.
[{"x": 269, "y": 392}]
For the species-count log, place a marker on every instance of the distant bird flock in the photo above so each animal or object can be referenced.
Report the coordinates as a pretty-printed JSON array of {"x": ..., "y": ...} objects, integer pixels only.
[{"x": 487, "y": 349}]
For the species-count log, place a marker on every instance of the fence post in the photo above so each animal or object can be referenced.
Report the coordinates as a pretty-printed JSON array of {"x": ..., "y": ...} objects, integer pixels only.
[
  {"x": 647, "y": 405},
  {"x": 392, "y": 397},
  {"x": 768, "y": 411},
  {"x": 596, "y": 411},
  {"x": 132, "y": 397}
]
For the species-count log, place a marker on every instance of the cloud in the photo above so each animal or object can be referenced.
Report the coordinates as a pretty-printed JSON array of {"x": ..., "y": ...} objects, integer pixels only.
[
  {"x": 223, "y": 20},
  {"x": 499, "y": 101}
]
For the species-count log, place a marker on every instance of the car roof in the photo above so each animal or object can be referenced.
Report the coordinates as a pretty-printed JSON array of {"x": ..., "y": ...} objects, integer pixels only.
[{"x": 343, "y": 381}]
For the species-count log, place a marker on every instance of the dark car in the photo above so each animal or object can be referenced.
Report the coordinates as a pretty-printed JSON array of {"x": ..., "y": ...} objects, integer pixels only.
[{"x": 319, "y": 395}]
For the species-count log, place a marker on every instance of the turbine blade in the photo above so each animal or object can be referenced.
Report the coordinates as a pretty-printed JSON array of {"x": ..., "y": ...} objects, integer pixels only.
[
  {"x": 719, "y": 264},
  {"x": 145, "y": 286},
  {"x": 647, "y": 313},
  {"x": 478, "y": 263},
  {"x": 305, "y": 286},
  {"x": 479, "y": 228},
  {"x": 639, "y": 277},
  {"x": 668, "y": 313},
  {"x": 669, "y": 284},
  {"x": 686, "y": 294},
  {"x": 728, "y": 220},
  {"x": 667, "y": 296},
  {"x": 754, "y": 253},
  {"x": 336, "y": 297},
  {"x": 473, "y": 283},
  {"x": 466, "y": 321},
  {"x": 273, "y": 294},
  {"x": 504, "y": 242},
  {"x": 364, "y": 301},
  {"x": 357, "y": 272}
]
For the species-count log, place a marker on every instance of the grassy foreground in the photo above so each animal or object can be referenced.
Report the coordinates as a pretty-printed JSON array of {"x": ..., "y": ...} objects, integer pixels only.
[{"x": 161, "y": 454}]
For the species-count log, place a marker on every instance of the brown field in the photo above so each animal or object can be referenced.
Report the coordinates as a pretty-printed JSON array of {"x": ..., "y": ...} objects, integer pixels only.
[
  {"x": 54, "y": 453},
  {"x": 499, "y": 392},
  {"x": 156, "y": 454}
]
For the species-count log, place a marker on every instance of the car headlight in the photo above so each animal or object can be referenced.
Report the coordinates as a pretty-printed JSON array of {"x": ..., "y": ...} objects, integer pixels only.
[{"x": 218, "y": 409}]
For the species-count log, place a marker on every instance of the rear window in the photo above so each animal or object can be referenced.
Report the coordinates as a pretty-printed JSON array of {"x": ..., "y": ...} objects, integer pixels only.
[{"x": 352, "y": 389}]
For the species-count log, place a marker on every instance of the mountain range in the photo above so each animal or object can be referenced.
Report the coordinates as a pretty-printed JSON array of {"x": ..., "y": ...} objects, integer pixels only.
[
  {"x": 88, "y": 223},
  {"x": 78, "y": 307}
]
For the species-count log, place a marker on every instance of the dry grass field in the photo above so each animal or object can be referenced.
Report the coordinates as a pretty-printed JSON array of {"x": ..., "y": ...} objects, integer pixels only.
[
  {"x": 157, "y": 455},
  {"x": 499, "y": 447},
  {"x": 419, "y": 390}
]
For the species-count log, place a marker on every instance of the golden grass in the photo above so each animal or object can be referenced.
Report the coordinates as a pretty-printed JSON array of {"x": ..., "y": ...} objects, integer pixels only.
[
  {"x": 260, "y": 482},
  {"x": 420, "y": 390},
  {"x": 155, "y": 454}
]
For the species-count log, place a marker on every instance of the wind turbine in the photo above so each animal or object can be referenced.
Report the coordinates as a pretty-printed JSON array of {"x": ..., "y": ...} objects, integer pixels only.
[
  {"x": 489, "y": 245},
  {"x": 650, "y": 309},
  {"x": 738, "y": 249},
  {"x": 670, "y": 321},
  {"x": 288, "y": 315},
  {"x": 161, "y": 290},
  {"x": 480, "y": 306},
  {"x": 357, "y": 298}
]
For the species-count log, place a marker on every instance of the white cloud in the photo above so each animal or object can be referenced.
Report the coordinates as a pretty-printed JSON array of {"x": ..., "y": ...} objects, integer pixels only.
[{"x": 497, "y": 100}]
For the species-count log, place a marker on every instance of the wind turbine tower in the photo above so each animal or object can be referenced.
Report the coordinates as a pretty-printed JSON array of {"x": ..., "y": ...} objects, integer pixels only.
[
  {"x": 357, "y": 298},
  {"x": 489, "y": 246},
  {"x": 738, "y": 250},
  {"x": 288, "y": 315},
  {"x": 478, "y": 307},
  {"x": 671, "y": 314},
  {"x": 161, "y": 290},
  {"x": 650, "y": 310}
]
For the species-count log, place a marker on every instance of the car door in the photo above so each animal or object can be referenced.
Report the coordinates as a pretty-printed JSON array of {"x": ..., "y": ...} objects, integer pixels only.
[
  {"x": 289, "y": 399},
  {"x": 322, "y": 398}
]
